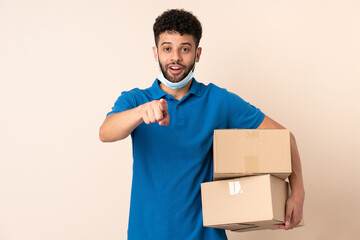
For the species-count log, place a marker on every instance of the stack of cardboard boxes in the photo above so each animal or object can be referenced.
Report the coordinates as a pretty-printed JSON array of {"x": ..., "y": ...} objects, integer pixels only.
[{"x": 249, "y": 190}]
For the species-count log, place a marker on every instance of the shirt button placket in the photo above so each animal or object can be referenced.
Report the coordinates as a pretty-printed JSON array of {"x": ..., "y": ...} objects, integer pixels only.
[{"x": 180, "y": 117}]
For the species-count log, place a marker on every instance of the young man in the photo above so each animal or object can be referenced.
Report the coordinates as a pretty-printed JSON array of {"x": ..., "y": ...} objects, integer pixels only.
[{"x": 171, "y": 125}]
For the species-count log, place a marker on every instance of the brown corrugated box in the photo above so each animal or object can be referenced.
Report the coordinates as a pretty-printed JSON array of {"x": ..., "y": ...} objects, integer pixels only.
[
  {"x": 244, "y": 152},
  {"x": 244, "y": 204}
]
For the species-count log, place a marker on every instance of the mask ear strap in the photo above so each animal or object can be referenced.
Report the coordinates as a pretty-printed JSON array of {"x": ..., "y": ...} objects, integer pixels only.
[
  {"x": 157, "y": 53},
  {"x": 193, "y": 69}
]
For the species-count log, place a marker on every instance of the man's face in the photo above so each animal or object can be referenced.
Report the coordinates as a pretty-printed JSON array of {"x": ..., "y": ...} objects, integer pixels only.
[{"x": 177, "y": 55}]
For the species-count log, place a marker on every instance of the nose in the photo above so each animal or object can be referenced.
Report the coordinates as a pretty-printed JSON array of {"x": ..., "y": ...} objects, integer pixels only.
[{"x": 176, "y": 56}]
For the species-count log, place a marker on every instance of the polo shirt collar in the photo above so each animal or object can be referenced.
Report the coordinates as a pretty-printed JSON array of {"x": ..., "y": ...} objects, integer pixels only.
[
  {"x": 195, "y": 88},
  {"x": 158, "y": 93}
]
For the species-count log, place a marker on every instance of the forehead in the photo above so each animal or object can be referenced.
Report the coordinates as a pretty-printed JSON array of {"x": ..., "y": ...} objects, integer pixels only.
[{"x": 175, "y": 38}]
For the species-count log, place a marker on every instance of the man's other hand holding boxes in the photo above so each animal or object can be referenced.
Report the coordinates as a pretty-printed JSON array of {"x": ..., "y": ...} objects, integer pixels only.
[{"x": 254, "y": 164}]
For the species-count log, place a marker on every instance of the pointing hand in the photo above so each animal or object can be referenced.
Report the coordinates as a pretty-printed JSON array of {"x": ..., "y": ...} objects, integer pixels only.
[{"x": 156, "y": 111}]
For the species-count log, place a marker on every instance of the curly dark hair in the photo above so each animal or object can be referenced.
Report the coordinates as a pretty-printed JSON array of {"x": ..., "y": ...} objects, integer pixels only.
[{"x": 178, "y": 20}]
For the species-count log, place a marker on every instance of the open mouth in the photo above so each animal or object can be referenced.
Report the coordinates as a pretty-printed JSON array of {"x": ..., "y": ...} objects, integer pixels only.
[{"x": 175, "y": 69}]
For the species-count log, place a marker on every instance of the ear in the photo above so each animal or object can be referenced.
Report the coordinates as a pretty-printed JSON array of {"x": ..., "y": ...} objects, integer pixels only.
[
  {"x": 198, "y": 53},
  {"x": 155, "y": 53}
]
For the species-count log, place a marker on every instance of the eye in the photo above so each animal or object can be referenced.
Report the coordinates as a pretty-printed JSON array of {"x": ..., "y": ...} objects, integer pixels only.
[
  {"x": 166, "y": 49},
  {"x": 185, "y": 49}
]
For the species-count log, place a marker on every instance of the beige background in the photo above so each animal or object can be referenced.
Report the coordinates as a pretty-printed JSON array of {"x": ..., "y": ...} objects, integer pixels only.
[{"x": 64, "y": 63}]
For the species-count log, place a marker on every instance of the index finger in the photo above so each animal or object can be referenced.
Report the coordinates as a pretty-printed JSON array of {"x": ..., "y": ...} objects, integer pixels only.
[{"x": 163, "y": 105}]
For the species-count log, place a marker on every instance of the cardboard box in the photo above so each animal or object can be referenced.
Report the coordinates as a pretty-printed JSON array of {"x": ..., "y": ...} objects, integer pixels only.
[
  {"x": 245, "y": 152},
  {"x": 244, "y": 204}
]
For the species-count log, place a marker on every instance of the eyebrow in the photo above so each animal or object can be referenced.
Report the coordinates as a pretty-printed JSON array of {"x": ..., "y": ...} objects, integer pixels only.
[{"x": 184, "y": 43}]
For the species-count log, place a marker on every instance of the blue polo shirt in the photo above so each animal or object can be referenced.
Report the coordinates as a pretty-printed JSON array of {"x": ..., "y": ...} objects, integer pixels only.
[{"x": 170, "y": 162}]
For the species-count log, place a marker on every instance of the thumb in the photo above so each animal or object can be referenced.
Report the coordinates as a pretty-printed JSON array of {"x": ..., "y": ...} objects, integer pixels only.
[
  {"x": 165, "y": 121},
  {"x": 163, "y": 105}
]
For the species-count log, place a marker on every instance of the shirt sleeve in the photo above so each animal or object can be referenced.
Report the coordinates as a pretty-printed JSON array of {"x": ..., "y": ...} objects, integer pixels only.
[
  {"x": 125, "y": 102},
  {"x": 242, "y": 114}
]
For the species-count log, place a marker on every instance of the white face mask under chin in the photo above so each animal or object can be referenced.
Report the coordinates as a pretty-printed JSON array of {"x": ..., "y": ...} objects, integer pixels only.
[{"x": 176, "y": 85}]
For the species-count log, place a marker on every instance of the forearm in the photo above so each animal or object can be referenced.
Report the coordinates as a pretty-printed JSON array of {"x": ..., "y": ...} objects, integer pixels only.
[
  {"x": 296, "y": 179},
  {"x": 118, "y": 126}
]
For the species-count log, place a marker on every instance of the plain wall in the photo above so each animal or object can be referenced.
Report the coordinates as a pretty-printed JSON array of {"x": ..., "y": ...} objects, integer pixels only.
[{"x": 64, "y": 63}]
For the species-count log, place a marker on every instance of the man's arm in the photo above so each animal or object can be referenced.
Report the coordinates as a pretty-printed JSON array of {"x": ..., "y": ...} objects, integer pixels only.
[
  {"x": 295, "y": 203},
  {"x": 118, "y": 126}
]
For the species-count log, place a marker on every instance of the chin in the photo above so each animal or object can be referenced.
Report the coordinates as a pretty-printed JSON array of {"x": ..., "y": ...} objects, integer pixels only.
[{"x": 174, "y": 79}]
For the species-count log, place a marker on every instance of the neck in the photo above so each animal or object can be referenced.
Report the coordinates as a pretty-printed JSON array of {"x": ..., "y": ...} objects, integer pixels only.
[{"x": 178, "y": 94}]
